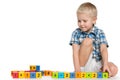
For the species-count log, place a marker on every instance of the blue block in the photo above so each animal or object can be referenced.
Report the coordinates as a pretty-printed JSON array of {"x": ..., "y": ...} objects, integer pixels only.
[
  {"x": 61, "y": 75},
  {"x": 32, "y": 74},
  {"x": 72, "y": 75},
  {"x": 99, "y": 75},
  {"x": 37, "y": 68}
]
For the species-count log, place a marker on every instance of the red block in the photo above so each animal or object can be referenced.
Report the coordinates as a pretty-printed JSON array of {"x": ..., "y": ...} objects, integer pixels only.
[{"x": 15, "y": 74}]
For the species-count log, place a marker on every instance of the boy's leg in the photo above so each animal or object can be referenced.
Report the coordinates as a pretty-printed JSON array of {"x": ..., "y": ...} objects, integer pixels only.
[
  {"x": 113, "y": 68},
  {"x": 85, "y": 51}
]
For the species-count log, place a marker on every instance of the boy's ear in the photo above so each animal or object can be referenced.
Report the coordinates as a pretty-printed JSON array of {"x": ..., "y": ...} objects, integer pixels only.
[{"x": 94, "y": 20}]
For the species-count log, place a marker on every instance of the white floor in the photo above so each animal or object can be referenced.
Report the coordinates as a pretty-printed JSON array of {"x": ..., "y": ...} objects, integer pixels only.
[{"x": 49, "y": 78}]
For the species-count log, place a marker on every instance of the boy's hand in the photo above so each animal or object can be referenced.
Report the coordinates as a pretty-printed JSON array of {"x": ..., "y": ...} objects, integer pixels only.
[{"x": 106, "y": 69}]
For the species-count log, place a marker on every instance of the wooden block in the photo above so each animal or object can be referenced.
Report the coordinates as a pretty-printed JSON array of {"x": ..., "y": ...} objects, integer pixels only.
[
  {"x": 15, "y": 74},
  {"x": 88, "y": 74},
  {"x": 38, "y": 74},
  {"x": 105, "y": 75},
  {"x": 60, "y": 74},
  {"x": 72, "y": 74},
  {"x": 83, "y": 74},
  {"x": 27, "y": 74},
  {"x": 47, "y": 73},
  {"x": 94, "y": 75},
  {"x": 77, "y": 74},
  {"x": 54, "y": 74},
  {"x": 66, "y": 75},
  {"x": 32, "y": 67},
  {"x": 37, "y": 68},
  {"x": 32, "y": 74},
  {"x": 21, "y": 74},
  {"x": 99, "y": 75}
]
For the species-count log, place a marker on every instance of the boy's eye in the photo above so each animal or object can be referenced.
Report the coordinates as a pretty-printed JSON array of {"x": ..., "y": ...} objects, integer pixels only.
[
  {"x": 79, "y": 20},
  {"x": 84, "y": 20}
]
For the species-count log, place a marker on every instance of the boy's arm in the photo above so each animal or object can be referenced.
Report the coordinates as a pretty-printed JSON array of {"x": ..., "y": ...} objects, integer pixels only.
[
  {"x": 76, "y": 48},
  {"x": 104, "y": 53}
]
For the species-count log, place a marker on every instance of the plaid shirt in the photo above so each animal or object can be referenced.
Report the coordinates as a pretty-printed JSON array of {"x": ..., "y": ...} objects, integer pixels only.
[{"x": 97, "y": 36}]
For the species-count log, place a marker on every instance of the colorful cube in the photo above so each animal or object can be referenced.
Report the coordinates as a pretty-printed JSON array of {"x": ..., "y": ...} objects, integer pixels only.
[
  {"x": 47, "y": 73},
  {"x": 72, "y": 75},
  {"x": 66, "y": 75},
  {"x": 83, "y": 74},
  {"x": 21, "y": 74},
  {"x": 60, "y": 74},
  {"x": 37, "y": 68},
  {"x": 105, "y": 75},
  {"x": 32, "y": 74},
  {"x": 38, "y": 74},
  {"x": 88, "y": 74},
  {"x": 99, "y": 74},
  {"x": 27, "y": 74},
  {"x": 54, "y": 74},
  {"x": 77, "y": 74},
  {"x": 33, "y": 68},
  {"x": 94, "y": 75},
  {"x": 15, "y": 74}
]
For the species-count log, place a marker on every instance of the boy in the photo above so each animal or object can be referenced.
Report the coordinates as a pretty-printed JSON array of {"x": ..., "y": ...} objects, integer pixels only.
[{"x": 89, "y": 43}]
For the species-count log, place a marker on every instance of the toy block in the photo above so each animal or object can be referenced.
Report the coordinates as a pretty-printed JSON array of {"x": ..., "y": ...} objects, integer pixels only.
[
  {"x": 72, "y": 75},
  {"x": 33, "y": 68},
  {"x": 78, "y": 74},
  {"x": 54, "y": 74},
  {"x": 47, "y": 73},
  {"x": 15, "y": 74},
  {"x": 21, "y": 74},
  {"x": 66, "y": 75},
  {"x": 32, "y": 74},
  {"x": 105, "y": 75},
  {"x": 60, "y": 74},
  {"x": 37, "y": 68},
  {"x": 42, "y": 72},
  {"x": 38, "y": 74},
  {"x": 27, "y": 74},
  {"x": 88, "y": 74},
  {"x": 83, "y": 74},
  {"x": 94, "y": 75},
  {"x": 99, "y": 75}
]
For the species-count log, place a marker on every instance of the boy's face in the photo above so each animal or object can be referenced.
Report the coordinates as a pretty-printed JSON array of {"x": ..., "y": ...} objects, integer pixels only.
[{"x": 85, "y": 21}]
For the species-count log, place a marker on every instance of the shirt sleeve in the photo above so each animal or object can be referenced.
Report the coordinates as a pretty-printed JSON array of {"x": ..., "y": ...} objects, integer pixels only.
[
  {"x": 75, "y": 38},
  {"x": 103, "y": 38}
]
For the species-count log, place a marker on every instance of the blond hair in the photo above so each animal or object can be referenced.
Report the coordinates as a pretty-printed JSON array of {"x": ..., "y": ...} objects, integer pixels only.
[{"x": 88, "y": 8}]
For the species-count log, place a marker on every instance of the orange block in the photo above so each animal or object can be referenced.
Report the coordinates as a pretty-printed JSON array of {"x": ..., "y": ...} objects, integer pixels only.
[
  {"x": 27, "y": 74},
  {"x": 47, "y": 73},
  {"x": 78, "y": 74}
]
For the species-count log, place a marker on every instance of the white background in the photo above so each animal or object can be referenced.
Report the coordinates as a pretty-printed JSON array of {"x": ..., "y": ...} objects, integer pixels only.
[{"x": 37, "y": 32}]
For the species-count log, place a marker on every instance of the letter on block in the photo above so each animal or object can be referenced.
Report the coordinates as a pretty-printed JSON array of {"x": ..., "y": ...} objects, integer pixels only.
[
  {"x": 15, "y": 74},
  {"x": 99, "y": 75},
  {"x": 94, "y": 75},
  {"x": 83, "y": 74},
  {"x": 33, "y": 68},
  {"x": 105, "y": 74},
  {"x": 27, "y": 74},
  {"x": 88, "y": 74},
  {"x": 66, "y": 75},
  {"x": 72, "y": 75},
  {"x": 78, "y": 74},
  {"x": 32, "y": 74},
  {"x": 60, "y": 74},
  {"x": 54, "y": 74},
  {"x": 21, "y": 74},
  {"x": 38, "y": 74}
]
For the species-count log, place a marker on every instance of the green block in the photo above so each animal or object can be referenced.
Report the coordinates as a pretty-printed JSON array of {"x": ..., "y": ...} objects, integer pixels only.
[
  {"x": 88, "y": 74},
  {"x": 54, "y": 74},
  {"x": 105, "y": 74}
]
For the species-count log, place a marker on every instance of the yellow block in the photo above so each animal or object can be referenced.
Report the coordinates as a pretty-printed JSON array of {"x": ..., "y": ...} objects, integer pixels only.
[
  {"x": 66, "y": 75},
  {"x": 78, "y": 74},
  {"x": 21, "y": 74},
  {"x": 94, "y": 75},
  {"x": 38, "y": 74},
  {"x": 83, "y": 74},
  {"x": 32, "y": 67},
  {"x": 27, "y": 74}
]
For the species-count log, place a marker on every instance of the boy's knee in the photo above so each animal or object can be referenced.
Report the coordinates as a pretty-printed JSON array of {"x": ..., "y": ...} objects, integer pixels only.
[{"x": 87, "y": 42}]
